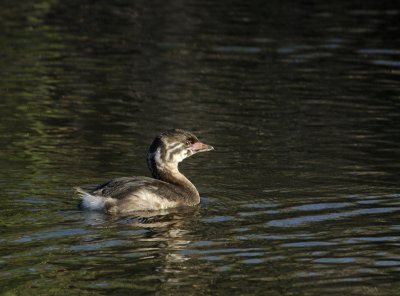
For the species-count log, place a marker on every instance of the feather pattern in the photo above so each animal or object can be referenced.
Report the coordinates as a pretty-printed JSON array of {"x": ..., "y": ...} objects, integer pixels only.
[{"x": 168, "y": 187}]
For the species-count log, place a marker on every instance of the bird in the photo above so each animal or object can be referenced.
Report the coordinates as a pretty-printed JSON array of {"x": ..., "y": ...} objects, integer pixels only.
[{"x": 168, "y": 187}]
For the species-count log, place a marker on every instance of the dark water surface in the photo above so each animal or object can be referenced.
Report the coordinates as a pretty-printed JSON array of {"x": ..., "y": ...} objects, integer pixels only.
[{"x": 301, "y": 102}]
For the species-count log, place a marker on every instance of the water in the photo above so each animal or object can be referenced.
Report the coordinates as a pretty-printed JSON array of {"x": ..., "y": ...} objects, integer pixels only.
[{"x": 301, "y": 102}]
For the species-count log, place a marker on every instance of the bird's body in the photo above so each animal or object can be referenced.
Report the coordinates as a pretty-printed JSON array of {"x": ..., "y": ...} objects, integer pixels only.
[{"x": 167, "y": 189}]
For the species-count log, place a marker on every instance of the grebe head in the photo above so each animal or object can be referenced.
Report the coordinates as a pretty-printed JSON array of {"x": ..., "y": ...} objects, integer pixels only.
[{"x": 171, "y": 147}]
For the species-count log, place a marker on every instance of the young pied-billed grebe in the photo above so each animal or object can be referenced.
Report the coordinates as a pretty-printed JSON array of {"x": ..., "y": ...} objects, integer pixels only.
[{"x": 168, "y": 189}]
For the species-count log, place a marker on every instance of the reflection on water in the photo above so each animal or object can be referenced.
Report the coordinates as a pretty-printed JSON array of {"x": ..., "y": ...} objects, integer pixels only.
[{"x": 301, "y": 196}]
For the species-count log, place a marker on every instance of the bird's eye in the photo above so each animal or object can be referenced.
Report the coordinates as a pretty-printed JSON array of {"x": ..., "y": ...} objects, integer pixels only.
[{"x": 188, "y": 143}]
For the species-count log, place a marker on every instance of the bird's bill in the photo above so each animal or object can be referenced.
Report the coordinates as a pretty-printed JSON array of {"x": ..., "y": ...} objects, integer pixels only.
[{"x": 201, "y": 147}]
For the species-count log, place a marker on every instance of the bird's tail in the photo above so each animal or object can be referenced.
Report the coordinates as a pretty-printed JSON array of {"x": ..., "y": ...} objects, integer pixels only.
[{"x": 89, "y": 201}]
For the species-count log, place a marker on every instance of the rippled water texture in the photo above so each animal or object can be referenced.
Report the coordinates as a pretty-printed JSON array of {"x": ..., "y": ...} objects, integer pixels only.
[{"x": 301, "y": 102}]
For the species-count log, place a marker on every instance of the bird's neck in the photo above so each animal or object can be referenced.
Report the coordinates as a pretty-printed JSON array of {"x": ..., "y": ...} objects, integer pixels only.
[{"x": 169, "y": 172}]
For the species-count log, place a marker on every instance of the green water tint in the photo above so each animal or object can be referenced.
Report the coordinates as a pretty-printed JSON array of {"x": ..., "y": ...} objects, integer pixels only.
[{"x": 301, "y": 102}]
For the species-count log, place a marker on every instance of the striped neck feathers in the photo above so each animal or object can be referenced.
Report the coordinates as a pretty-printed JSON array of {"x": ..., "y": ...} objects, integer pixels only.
[{"x": 163, "y": 159}]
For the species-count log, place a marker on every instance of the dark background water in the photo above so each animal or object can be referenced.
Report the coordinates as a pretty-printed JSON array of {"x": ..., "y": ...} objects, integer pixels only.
[{"x": 300, "y": 100}]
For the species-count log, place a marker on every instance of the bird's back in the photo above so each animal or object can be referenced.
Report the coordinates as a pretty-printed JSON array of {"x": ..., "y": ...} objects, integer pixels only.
[{"x": 134, "y": 194}]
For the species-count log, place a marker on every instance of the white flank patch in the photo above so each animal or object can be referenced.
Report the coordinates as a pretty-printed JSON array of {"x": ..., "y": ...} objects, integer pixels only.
[{"x": 91, "y": 202}]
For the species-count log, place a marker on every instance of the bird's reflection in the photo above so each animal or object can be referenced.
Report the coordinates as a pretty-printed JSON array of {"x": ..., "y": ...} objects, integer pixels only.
[
  {"x": 169, "y": 230},
  {"x": 161, "y": 238}
]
